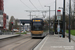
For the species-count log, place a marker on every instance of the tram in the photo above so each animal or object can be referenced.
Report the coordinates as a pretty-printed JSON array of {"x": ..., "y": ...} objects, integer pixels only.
[{"x": 37, "y": 25}]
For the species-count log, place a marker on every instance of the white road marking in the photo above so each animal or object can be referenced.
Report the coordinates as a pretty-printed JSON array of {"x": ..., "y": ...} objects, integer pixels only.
[{"x": 43, "y": 44}]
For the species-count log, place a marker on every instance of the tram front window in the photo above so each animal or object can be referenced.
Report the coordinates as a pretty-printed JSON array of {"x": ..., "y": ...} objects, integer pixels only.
[{"x": 37, "y": 26}]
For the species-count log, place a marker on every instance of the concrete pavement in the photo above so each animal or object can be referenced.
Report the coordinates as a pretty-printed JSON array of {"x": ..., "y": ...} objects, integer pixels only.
[
  {"x": 53, "y": 42},
  {"x": 72, "y": 37},
  {"x": 12, "y": 35},
  {"x": 8, "y": 36}
]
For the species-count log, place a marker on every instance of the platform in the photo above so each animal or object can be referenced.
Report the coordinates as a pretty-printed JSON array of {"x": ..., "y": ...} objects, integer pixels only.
[
  {"x": 7, "y": 36},
  {"x": 54, "y": 42}
]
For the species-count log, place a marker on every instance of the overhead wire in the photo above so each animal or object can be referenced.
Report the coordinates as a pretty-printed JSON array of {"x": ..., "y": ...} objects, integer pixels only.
[
  {"x": 25, "y": 4},
  {"x": 32, "y": 4},
  {"x": 40, "y": 4},
  {"x": 42, "y": 8}
]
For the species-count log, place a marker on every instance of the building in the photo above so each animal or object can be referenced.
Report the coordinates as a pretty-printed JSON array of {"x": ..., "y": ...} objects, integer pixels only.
[
  {"x": 1, "y": 5},
  {"x": 1, "y": 13},
  {"x": 3, "y": 17},
  {"x": 5, "y": 21}
]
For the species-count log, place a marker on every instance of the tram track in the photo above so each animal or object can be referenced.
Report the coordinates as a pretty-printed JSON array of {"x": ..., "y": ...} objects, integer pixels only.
[
  {"x": 22, "y": 44},
  {"x": 29, "y": 45},
  {"x": 9, "y": 39}
]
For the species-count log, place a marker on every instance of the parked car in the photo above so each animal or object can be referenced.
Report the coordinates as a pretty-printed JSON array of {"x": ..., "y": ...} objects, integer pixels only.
[
  {"x": 15, "y": 30},
  {"x": 23, "y": 31}
]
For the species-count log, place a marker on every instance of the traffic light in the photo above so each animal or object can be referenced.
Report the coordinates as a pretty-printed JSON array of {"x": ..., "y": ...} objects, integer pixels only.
[{"x": 12, "y": 23}]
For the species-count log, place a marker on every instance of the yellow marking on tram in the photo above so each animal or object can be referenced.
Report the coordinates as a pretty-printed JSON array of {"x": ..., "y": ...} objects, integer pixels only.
[
  {"x": 36, "y": 32},
  {"x": 36, "y": 20}
]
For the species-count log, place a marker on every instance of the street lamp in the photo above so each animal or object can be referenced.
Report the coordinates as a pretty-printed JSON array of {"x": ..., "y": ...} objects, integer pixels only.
[{"x": 49, "y": 18}]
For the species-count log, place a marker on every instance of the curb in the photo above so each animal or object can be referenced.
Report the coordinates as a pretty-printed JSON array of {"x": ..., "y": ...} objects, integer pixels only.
[
  {"x": 40, "y": 43},
  {"x": 72, "y": 37},
  {"x": 10, "y": 37}
]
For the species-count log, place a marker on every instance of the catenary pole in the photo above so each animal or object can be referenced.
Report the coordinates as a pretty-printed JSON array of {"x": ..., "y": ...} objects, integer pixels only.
[
  {"x": 49, "y": 18},
  {"x": 63, "y": 18},
  {"x": 69, "y": 19}
]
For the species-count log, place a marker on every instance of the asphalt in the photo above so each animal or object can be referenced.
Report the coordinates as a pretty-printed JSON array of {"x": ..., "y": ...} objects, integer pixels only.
[{"x": 54, "y": 42}]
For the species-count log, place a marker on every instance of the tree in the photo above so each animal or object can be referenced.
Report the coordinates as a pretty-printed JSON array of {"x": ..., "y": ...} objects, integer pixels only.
[
  {"x": 16, "y": 24},
  {"x": 45, "y": 25},
  {"x": 72, "y": 13},
  {"x": 10, "y": 26},
  {"x": 11, "y": 20}
]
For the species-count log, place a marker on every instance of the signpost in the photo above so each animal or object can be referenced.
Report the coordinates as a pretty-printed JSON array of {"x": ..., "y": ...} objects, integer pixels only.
[{"x": 58, "y": 18}]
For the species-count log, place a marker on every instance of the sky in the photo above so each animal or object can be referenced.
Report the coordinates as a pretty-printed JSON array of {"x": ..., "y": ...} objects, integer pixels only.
[{"x": 17, "y": 8}]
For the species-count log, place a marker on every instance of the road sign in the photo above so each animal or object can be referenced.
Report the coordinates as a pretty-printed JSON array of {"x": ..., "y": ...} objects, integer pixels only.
[
  {"x": 58, "y": 14},
  {"x": 58, "y": 17},
  {"x": 58, "y": 28}
]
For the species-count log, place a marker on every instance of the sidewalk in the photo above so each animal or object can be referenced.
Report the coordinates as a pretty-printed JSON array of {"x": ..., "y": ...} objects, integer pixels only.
[
  {"x": 53, "y": 42},
  {"x": 72, "y": 37},
  {"x": 8, "y": 36}
]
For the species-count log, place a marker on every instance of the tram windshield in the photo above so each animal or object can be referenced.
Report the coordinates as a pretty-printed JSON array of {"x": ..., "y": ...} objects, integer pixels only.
[{"x": 37, "y": 26}]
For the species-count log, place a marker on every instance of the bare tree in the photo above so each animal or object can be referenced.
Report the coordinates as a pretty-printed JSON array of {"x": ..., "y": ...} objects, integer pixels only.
[
  {"x": 72, "y": 12},
  {"x": 11, "y": 20}
]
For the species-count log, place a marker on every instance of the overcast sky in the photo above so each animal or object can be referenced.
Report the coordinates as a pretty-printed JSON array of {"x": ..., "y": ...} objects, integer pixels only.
[{"x": 17, "y": 8}]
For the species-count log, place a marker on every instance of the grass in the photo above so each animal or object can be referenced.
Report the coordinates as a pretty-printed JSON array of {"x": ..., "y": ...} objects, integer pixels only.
[
  {"x": 45, "y": 30},
  {"x": 72, "y": 32},
  {"x": 22, "y": 33}
]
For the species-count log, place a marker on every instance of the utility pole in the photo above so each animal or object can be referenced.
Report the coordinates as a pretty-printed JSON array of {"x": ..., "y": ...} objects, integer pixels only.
[
  {"x": 30, "y": 15},
  {"x": 20, "y": 27},
  {"x": 55, "y": 14},
  {"x": 63, "y": 18},
  {"x": 55, "y": 8},
  {"x": 49, "y": 18},
  {"x": 69, "y": 19}
]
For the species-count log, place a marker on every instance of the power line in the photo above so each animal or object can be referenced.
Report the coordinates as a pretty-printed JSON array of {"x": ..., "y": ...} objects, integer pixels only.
[
  {"x": 33, "y": 4},
  {"x": 42, "y": 8},
  {"x": 25, "y": 4},
  {"x": 40, "y": 4}
]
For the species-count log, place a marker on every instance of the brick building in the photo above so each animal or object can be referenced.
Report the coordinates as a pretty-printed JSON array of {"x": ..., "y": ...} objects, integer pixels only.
[{"x": 3, "y": 16}]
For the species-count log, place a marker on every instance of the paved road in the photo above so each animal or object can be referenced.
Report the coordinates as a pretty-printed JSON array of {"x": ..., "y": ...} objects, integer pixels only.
[{"x": 23, "y": 42}]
